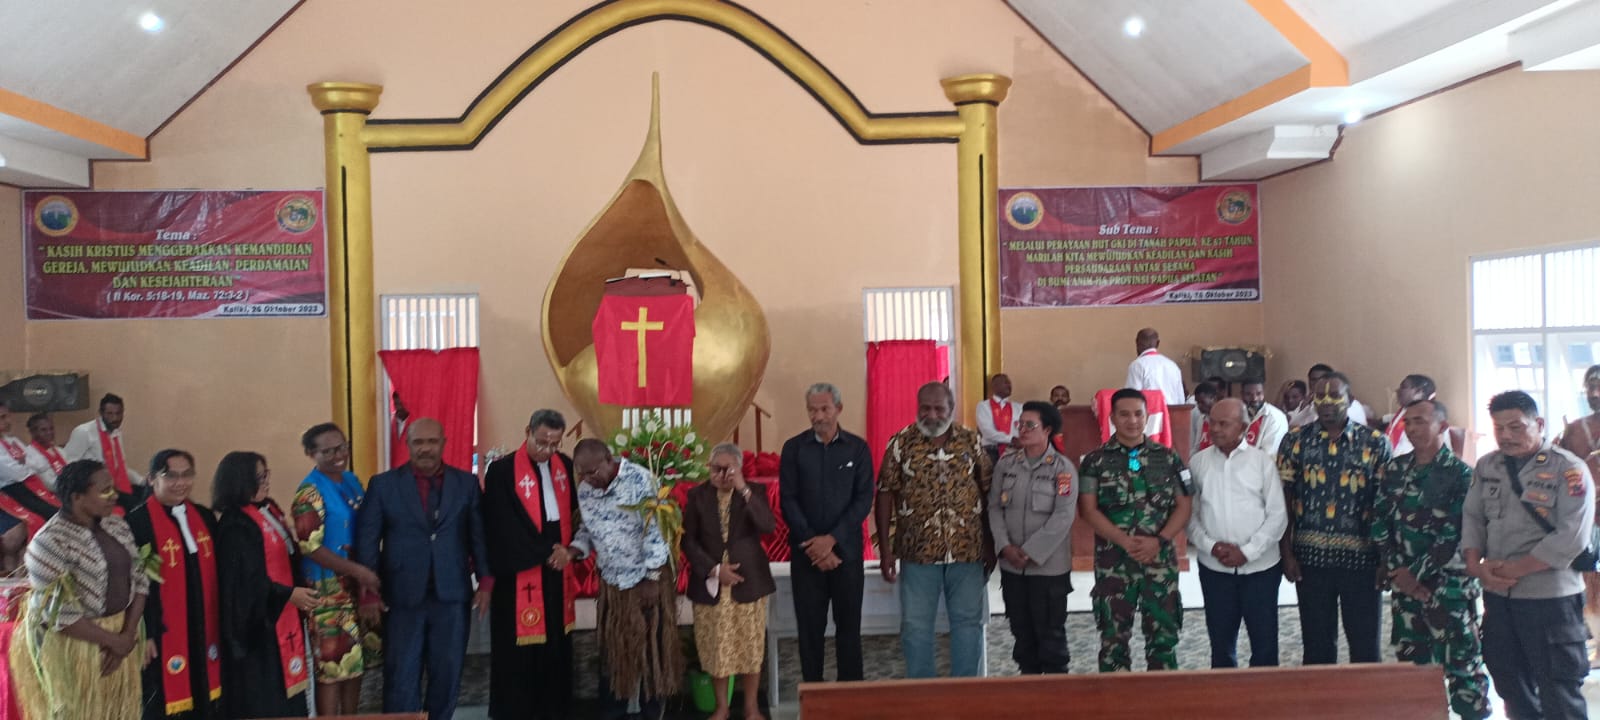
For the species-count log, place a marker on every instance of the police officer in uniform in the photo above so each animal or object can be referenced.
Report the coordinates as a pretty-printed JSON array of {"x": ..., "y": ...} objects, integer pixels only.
[
  {"x": 1526, "y": 519},
  {"x": 1417, "y": 531},
  {"x": 1136, "y": 497},
  {"x": 1032, "y": 503}
]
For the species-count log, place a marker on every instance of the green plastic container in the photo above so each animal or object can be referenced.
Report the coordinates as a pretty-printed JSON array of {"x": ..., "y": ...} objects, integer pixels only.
[{"x": 705, "y": 695}]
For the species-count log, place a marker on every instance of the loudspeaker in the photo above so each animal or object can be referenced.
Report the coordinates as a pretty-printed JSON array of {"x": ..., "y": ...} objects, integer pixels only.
[
  {"x": 1233, "y": 364},
  {"x": 46, "y": 392}
]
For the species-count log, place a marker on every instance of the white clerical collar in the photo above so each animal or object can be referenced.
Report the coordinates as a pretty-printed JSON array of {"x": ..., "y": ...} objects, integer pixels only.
[{"x": 1000, "y": 400}]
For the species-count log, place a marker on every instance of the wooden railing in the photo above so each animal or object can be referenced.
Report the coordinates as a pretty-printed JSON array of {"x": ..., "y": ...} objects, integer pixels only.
[
  {"x": 1326, "y": 692},
  {"x": 760, "y": 412}
]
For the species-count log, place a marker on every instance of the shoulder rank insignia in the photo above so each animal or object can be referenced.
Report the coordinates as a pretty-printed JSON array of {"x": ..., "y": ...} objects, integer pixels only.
[{"x": 1541, "y": 458}]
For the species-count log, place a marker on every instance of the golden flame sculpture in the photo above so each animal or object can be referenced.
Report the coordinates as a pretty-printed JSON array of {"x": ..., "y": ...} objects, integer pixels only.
[{"x": 642, "y": 228}]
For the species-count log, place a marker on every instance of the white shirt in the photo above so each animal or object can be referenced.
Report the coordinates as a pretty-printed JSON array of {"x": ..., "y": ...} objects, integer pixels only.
[
  {"x": 552, "y": 509},
  {"x": 1238, "y": 499},
  {"x": 1154, "y": 371},
  {"x": 84, "y": 444},
  {"x": 990, "y": 436},
  {"x": 180, "y": 513},
  {"x": 39, "y": 465},
  {"x": 11, "y": 471},
  {"x": 1274, "y": 425}
]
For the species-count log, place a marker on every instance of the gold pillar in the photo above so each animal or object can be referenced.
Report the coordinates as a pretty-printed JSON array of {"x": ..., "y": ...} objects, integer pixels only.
[
  {"x": 351, "y": 310},
  {"x": 977, "y": 99}
]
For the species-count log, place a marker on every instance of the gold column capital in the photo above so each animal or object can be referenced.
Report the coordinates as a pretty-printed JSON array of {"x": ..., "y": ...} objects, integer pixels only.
[
  {"x": 344, "y": 96},
  {"x": 982, "y": 87}
]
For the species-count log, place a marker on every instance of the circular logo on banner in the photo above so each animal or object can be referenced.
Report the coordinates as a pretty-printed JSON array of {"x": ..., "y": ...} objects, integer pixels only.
[
  {"x": 55, "y": 215},
  {"x": 176, "y": 664},
  {"x": 296, "y": 665},
  {"x": 297, "y": 214},
  {"x": 529, "y": 617},
  {"x": 1024, "y": 211},
  {"x": 1234, "y": 207}
]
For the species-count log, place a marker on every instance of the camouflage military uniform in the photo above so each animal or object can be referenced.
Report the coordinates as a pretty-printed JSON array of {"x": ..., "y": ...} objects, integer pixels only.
[
  {"x": 1417, "y": 525},
  {"x": 1137, "y": 489}
]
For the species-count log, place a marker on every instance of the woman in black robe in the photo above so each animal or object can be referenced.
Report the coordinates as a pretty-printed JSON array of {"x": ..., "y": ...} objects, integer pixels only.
[{"x": 252, "y": 662}]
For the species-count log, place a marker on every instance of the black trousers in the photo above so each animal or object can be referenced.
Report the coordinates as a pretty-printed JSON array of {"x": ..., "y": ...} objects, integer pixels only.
[
  {"x": 1036, "y": 608},
  {"x": 1252, "y": 598},
  {"x": 1327, "y": 595},
  {"x": 814, "y": 591},
  {"x": 1535, "y": 653}
]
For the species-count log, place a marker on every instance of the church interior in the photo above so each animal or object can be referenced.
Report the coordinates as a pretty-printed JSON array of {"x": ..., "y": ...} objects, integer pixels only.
[{"x": 822, "y": 176}]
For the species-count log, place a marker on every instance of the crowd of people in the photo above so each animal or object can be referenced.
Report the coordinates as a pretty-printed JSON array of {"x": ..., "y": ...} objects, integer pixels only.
[{"x": 145, "y": 604}]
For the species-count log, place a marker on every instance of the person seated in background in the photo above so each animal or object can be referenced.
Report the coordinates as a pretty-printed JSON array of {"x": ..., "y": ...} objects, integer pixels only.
[
  {"x": 1205, "y": 396},
  {"x": 1265, "y": 425},
  {"x": 1294, "y": 399},
  {"x": 996, "y": 417},
  {"x": 1060, "y": 397}
]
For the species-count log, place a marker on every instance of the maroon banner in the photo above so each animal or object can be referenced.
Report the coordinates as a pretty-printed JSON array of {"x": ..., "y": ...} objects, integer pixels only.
[
  {"x": 1067, "y": 247},
  {"x": 644, "y": 350},
  {"x": 174, "y": 254}
]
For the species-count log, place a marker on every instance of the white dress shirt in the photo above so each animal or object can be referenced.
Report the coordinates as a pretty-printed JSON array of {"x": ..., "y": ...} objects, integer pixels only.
[
  {"x": 180, "y": 514},
  {"x": 84, "y": 444},
  {"x": 11, "y": 471},
  {"x": 1238, "y": 499},
  {"x": 1154, "y": 371},
  {"x": 1274, "y": 425},
  {"x": 552, "y": 509},
  {"x": 991, "y": 437},
  {"x": 39, "y": 465}
]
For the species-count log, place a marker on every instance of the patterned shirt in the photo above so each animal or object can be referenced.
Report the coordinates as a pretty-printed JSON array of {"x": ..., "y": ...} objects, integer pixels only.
[
  {"x": 1137, "y": 488},
  {"x": 1333, "y": 482},
  {"x": 625, "y": 548},
  {"x": 940, "y": 491},
  {"x": 1417, "y": 524},
  {"x": 63, "y": 547}
]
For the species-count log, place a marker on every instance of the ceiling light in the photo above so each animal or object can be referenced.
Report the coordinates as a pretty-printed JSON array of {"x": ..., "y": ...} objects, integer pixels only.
[
  {"x": 151, "y": 22},
  {"x": 1133, "y": 26},
  {"x": 1353, "y": 116}
]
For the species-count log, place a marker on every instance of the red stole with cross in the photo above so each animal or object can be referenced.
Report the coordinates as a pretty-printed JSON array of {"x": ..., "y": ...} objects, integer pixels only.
[
  {"x": 1252, "y": 434},
  {"x": 111, "y": 450},
  {"x": 529, "y": 589},
  {"x": 1002, "y": 420},
  {"x": 289, "y": 635},
  {"x": 175, "y": 661},
  {"x": 52, "y": 456}
]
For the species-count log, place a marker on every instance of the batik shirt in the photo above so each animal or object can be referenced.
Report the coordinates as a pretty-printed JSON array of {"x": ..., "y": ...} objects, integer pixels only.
[
  {"x": 1137, "y": 488},
  {"x": 939, "y": 494},
  {"x": 1333, "y": 482},
  {"x": 1417, "y": 523},
  {"x": 626, "y": 549}
]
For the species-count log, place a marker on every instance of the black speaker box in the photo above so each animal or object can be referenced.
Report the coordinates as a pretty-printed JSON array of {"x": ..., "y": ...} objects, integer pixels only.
[
  {"x": 46, "y": 392},
  {"x": 1233, "y": 364}
]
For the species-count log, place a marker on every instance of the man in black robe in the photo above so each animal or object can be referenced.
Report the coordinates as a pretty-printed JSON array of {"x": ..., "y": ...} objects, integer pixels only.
[
  {"x": 191, "y": 547},
  {"x": 531, "y": 678}
]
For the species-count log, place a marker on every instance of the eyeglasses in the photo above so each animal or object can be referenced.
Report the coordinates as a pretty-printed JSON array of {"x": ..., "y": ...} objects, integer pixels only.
[
  {"x": 185, "y": 475},
  {"x": 1133, "y": 460},
  {"x": 335, "y": 450},
  {"x": 547, "y": 446},
  {"x": 263, "y": 476},
  {"x": 1029, "y": 425},
  {"x": 724, "y": 469}
]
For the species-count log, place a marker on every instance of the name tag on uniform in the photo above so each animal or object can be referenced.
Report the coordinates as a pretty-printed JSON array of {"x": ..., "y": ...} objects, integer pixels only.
[{"x": 1536, "y": 496}]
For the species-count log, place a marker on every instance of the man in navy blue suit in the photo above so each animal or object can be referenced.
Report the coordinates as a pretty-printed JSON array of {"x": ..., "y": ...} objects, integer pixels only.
[{"x": 420, "y": 528}]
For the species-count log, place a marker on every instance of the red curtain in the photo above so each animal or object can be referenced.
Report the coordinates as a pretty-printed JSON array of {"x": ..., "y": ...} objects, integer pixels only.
[
  {"x": 895, "y": 369},
  {"x": 440, "y": 385}
]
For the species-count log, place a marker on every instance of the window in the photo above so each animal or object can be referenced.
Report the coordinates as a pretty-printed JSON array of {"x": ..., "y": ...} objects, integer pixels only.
[
  {"x": 1535, "y": 327},
  {"x": 911, "y": 314},
  {"x": 425, "y": 322}
]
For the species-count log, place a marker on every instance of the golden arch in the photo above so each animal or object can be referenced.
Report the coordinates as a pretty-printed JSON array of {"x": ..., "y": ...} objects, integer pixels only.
[{"x": 350, "y": 137}]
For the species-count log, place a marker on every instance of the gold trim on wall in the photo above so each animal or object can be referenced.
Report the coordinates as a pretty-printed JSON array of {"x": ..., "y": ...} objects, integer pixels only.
[{"x": 349, "y": 137}]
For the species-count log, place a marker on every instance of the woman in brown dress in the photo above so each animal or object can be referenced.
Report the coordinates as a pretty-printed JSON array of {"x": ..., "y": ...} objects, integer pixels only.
[{"x": 729, "y": 578}]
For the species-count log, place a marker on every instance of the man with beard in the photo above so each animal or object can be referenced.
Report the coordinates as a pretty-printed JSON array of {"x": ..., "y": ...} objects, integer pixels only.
[
  {"x": 1582, "y": 438},
  {"x": 933, "y": 485},
  {"x": 101, "y": 439},
  {"x": 825, "y": 483},
  {"x": 1265, "y": 425}
]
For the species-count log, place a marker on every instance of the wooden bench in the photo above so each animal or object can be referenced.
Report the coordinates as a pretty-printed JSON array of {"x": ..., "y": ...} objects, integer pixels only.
[
  {"x": 388, "y": 716},
  {"x": 1327, "y": 692}
]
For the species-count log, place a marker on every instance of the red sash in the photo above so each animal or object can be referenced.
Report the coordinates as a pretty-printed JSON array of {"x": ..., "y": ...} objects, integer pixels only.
[
  {"x": 1002, "y": 421},
  {"x": 52, "y": 456},
  {"x": 1205, "y": 434},
  {"x": 16, "y": 509},
  {"x": 1252, "y": 434},
  {"x": 529, "y": 589},
  {"x": 1397, "y": 429},
  {"x": 290, "y": 637},
  {"x": 174, "y": 645},
  {"x": 111, "y": 450}
]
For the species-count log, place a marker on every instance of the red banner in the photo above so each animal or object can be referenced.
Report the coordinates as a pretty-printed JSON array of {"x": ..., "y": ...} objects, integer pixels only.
[
  {"x": 1065, "y": 247},
  {"x": 174, "y": 254},
  {"x": 644, "y": 347}
]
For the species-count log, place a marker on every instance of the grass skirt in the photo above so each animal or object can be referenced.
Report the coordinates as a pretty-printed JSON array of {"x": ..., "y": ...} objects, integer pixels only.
[{"x": 60, "y": 678}]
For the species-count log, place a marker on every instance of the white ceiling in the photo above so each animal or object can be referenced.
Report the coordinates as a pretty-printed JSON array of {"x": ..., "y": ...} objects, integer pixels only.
[{"x": 90, "y": 58}]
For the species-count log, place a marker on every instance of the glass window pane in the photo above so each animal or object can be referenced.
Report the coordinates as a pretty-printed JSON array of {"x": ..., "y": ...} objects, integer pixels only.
[
  {"x": 1506, "y": 293},
  {"x": 1572, "y": 288}
]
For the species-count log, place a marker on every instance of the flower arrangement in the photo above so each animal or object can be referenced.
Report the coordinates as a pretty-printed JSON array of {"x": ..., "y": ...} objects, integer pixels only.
[{"x": 674, "y": 456}]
